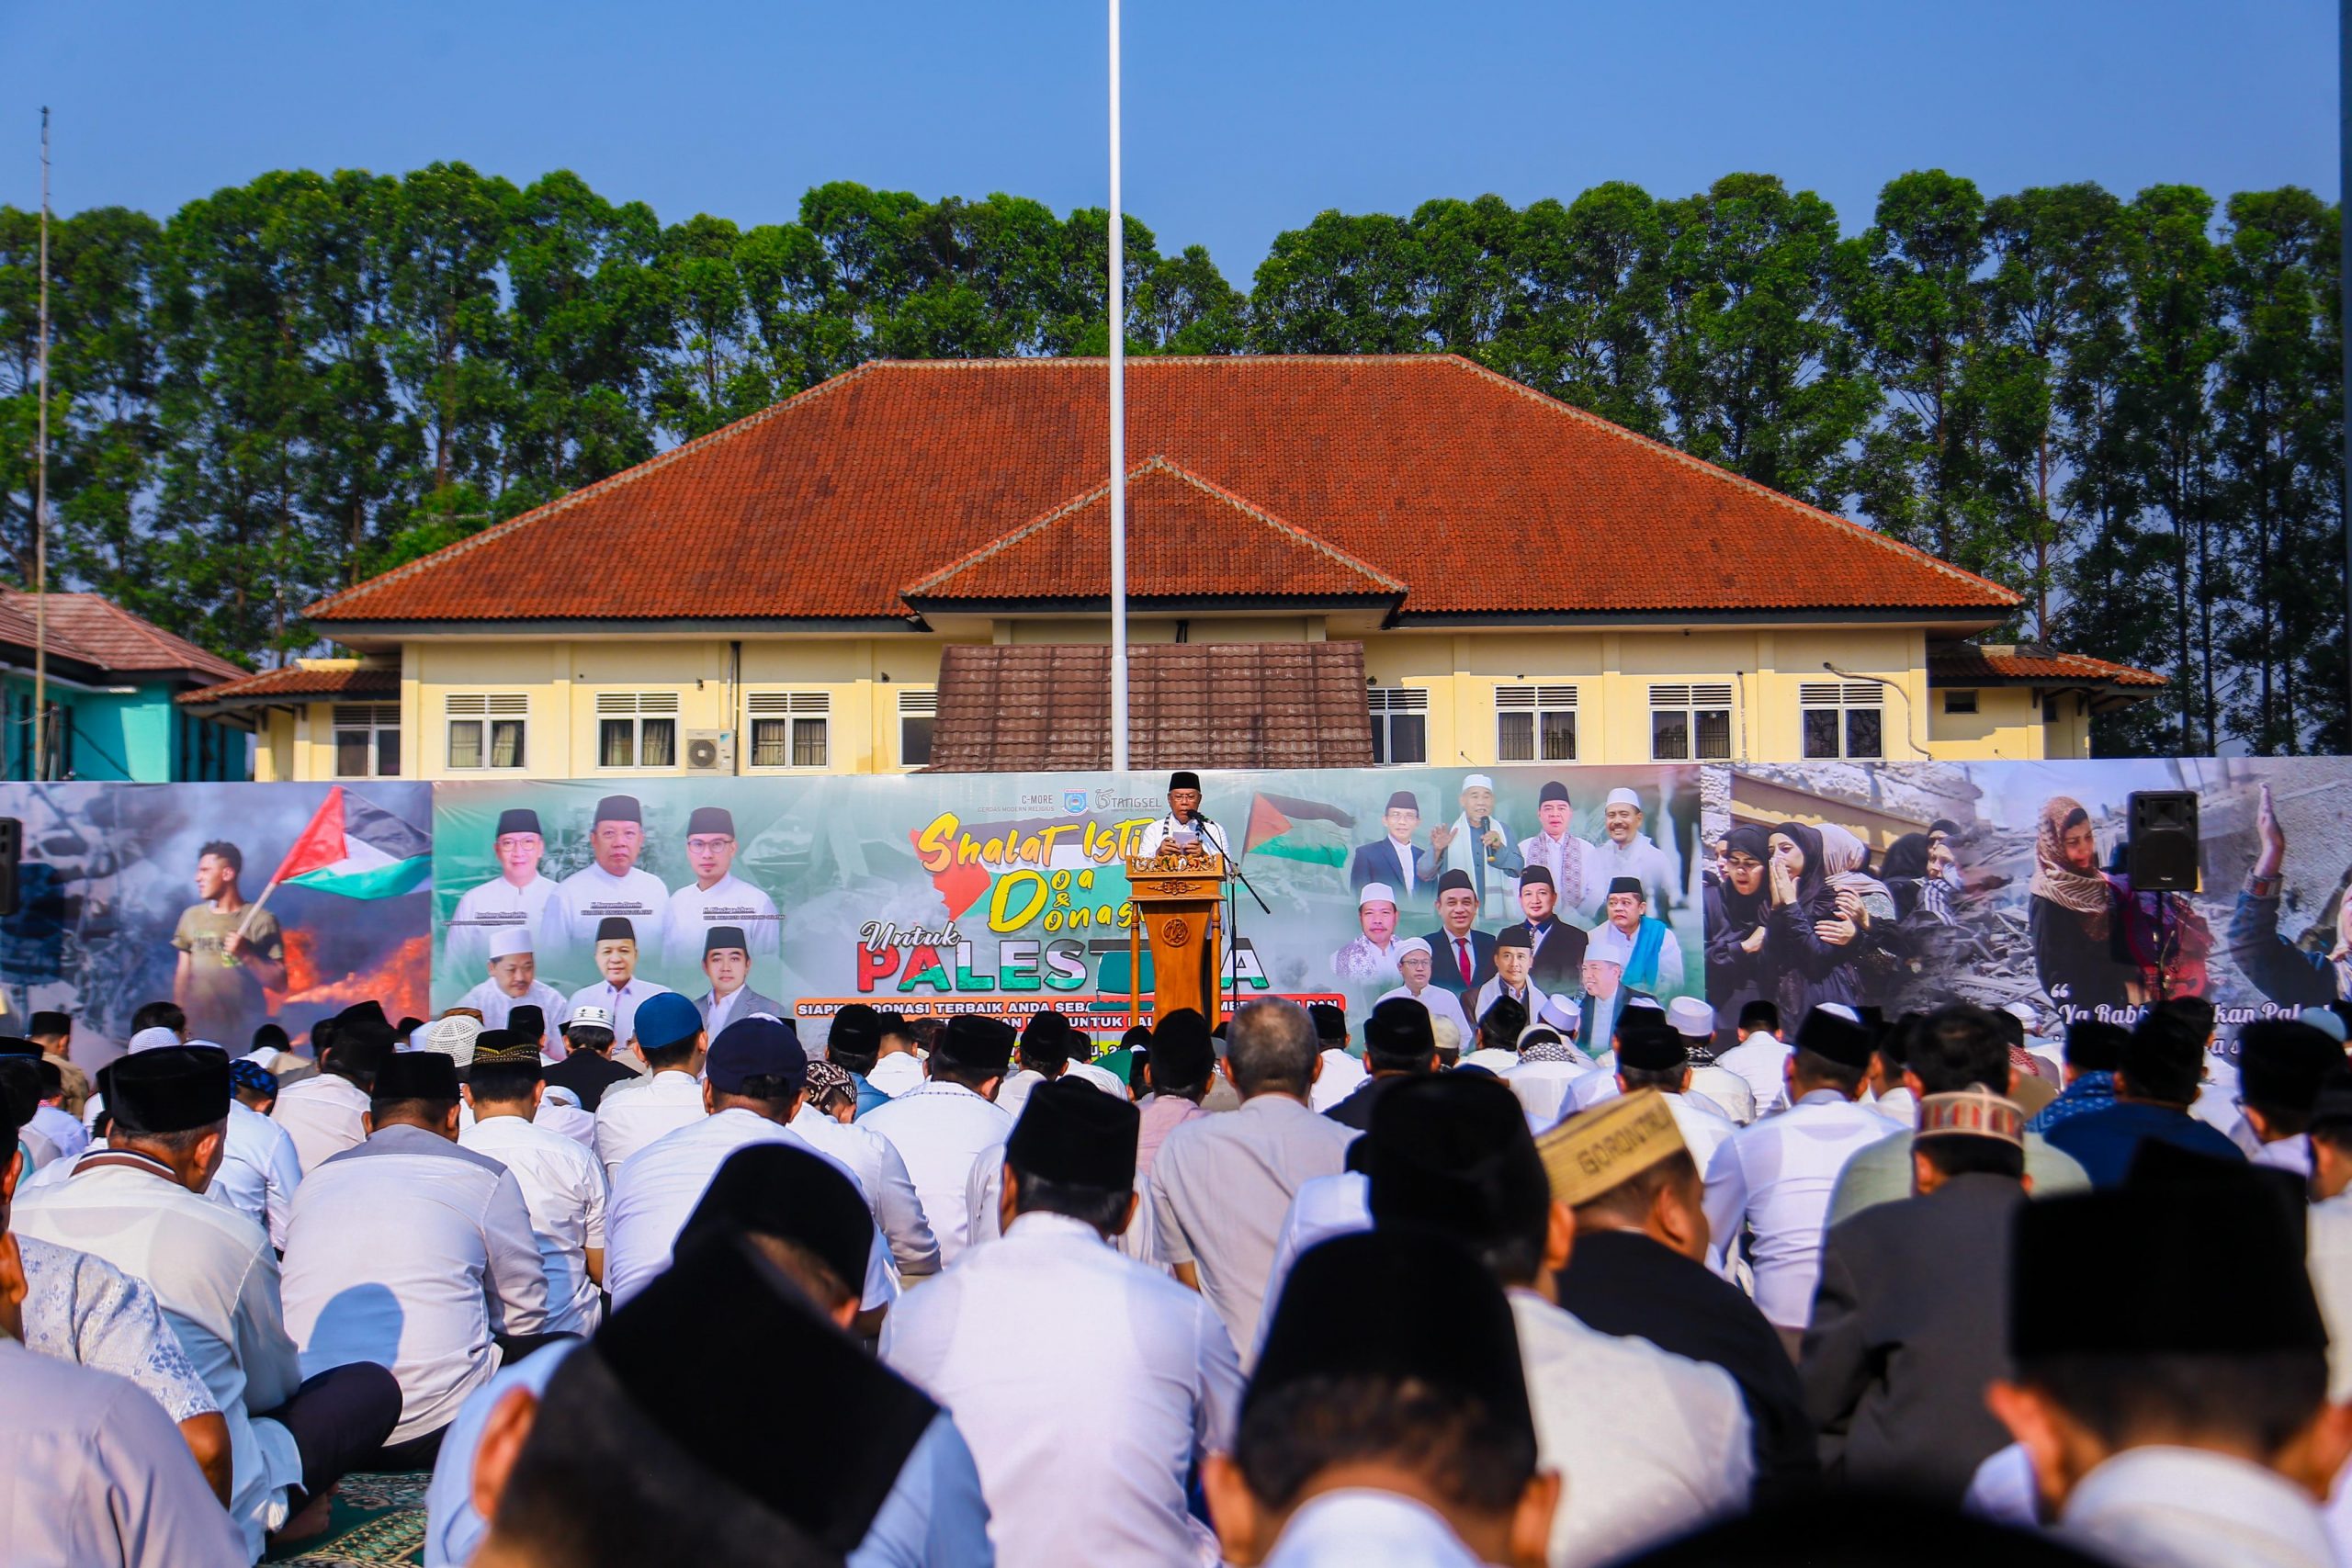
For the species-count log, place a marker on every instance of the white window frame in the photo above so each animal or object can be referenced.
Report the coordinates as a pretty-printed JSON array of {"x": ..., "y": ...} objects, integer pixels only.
[
  {"x": 1691, "y": 699},
  {"x": 1389, "y": 704},
  {"x": 375, "y": 720},
  {"x": 792, "y": 710},
  {"x": 1843, "y": 698},
  {"x": 486, "y": 713},
  {"x": 922, "y": 705},
  {"x": 1535, "y": 704},
  {"x": 637, "y": 709}
]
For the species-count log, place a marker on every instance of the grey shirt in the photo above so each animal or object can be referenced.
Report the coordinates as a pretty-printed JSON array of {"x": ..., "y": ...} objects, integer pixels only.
[
  {"x": 1220, "y": 1186},
  {"x": 1882, "y": 1174},
  {"x": 97, "y": 1475}
]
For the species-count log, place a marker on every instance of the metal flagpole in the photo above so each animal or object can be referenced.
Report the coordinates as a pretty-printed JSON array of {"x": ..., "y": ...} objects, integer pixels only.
[
  {"x": 2344, "y": 91},
  {"x": 1119, "y": 432},
  {"x": 40, "y": 494}
]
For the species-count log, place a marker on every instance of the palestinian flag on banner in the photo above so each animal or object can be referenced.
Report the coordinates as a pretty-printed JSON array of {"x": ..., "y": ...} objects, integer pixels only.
[
  {"x": 1292, "y": 828},
  {"x": 357, "y": 849}
]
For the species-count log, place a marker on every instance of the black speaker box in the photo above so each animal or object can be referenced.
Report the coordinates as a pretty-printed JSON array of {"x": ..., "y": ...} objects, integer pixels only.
[{"x": 2162, "y": 857}]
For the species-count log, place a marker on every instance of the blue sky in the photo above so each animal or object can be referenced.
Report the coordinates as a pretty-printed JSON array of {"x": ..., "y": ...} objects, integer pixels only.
[{"x": 1243, "y": 118}]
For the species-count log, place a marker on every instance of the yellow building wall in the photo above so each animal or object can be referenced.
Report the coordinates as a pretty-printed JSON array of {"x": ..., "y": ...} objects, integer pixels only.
[{"x": 1613, "y": 672}]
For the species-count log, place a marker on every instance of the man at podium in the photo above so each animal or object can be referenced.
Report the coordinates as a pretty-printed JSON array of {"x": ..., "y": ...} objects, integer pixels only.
[{"x": 1183, "y": 825}]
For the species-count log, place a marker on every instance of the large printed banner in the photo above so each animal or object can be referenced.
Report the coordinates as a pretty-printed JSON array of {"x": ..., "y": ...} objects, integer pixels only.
[
  {"x": 1891, "y": 884},
  {"x": 1005, "y": 893},
  {"x": 131, "y": 894}
]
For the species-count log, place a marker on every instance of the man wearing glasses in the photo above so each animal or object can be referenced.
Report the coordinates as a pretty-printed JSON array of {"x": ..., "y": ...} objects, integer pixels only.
[{"x": 718, "y": 898}]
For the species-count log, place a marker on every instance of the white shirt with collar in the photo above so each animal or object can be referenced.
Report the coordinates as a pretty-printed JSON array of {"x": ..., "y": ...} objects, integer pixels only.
[
  {"x": 1641, "y": 858},
  {"x": 984, "y": 1211},
  {"x": 1085, "y": 1442},
  {"x": 1340, "y": 1075},
  {"x": 1760, "y": 1059},
  {"x": 1212, "y": 837},
  {"x": 69, "y": 1136},
  {"x": 1325, "y": 1207},
  {"x": 2176, "y": 1508},
  {"x": 896, "y": 1073},
  {"x": 1898, "y": 1105},
  {"x": 656, "y": 1188},
  {"x": 322, "y": 1115},
  {"x": 260, "y": 1171},
  {"x": 591, "y": 895},
  {"x": 1547, "y": 1090},
  {"x": 621, "y": 1001},
  {"x": 564, "y": 1188},
  {"x": 486, "y": 908},
  {"x": 730, "y": 901},
  {"x": 1013, "y": 1094},
  {"x": 1674, "y": 1453},
  {"x": 1441, "y": 1003},
  {"x": 1221, "y": 1187},
  {"x": 629, "y": 1116},
  {"x": 496, "y": 1006},
  {"x": 1776, "y": 1179},
  {"x": 216, "y": 1279},
  {"x": 939, "y": 1129},
  {"x": 1704, "y": 1125},
  {"x": 889, "y": 1189},
  {"x": 1360, "y": 1528},
  {"x": 412, "y": 1248},
  {"x": 721, "y": 1011},
  {"x": 2287, "y": 1153}
]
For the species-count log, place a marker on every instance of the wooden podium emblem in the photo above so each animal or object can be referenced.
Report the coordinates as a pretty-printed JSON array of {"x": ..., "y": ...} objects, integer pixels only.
[{"x": 1179, "y": 901}]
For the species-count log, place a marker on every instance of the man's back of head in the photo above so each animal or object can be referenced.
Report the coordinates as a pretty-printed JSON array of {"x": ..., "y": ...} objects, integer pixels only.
[
  {"x": 2164, "y": 1060},
  {"x": 1270, "y": 1049},
  {"x": 2095, "y": 1046},
  {"x": 1958, "y": 1047}
]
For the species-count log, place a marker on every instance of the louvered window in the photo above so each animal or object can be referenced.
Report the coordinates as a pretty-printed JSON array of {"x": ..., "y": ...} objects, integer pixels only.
[
  {"x": 918, "y": 711},
  {"x": 1843, "y": 718},
  {"x": 1536, "y": 724},
  {"x": 486, "y": 729},
  {"x": 1690, "y": 723},
  {"x": 789, "y": 730},
  {"x": 1400, "y": 724},
  {"x": 637, "y": 729}
]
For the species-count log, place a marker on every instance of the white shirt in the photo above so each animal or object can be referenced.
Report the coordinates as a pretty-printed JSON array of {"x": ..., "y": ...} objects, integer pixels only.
[
  {"x": 564, "y": 1188},
  {"x": 939, "y": 1129},
  {"x": 1607, "y": 944},
  {"x": 1212, "y": 837},
  {"x": 1325, "y": 1207},
  {"x": 1704, "y": 1125},
  {"x": 621, "y": 1001},
  {"x": 1640, "y": 858},
  {"x": 1554, "y": 855},
  {"x": 874, "y": 1161},
  {"x": 2174, "y": 1507},
  {"x": 589, "y": 896},
  {"x": 559, "y": 1111},
  {"x": 1760, "y": 1059},
  {"x": 322, "y": 1115},
  {"x": 215, "y": 1276},
  {"x": 1492, "y": 992},
  {"x": 495, "y": 1006},
  {"x": 730, "y": 901},
  {"x": 2328, "y": 1231},
  {"x": 629, "y": 1116},
  {"x": 1340, "y": 1075},
  {"x": 656, "y": 1188},
  {"x": 984, "y": 1213},
  {"x": 1777, "y": 1178},
  {"x": 1726, "y": 1091},
  {"x": 412, "y": 1248},
  {"x": 1546, "y": 1089},
  {"x": 1221, "y": 1187},
  {"x": 1441, "y": 1003},
  {"x": 484, "y": 908},
  {"x": 1084, "y": 1440},
  {"x": 1673, "y": 1452},
  {"x": 68, "y": 1134},
  {"x": 896, "y": 1073},
  {"x": 1360, "y": 1528},
  {"x": 2287, "y": 1154},
  {"x": 97, "y": 1476},
  {"x": 1013, "y": 1094},
  {"x": 721, "y": 1011},
  {"x": 259, "y": 1170}
]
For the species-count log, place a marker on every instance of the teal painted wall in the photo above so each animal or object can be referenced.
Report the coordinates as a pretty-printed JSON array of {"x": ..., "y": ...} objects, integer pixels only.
[{"x": 139, "y": 737}]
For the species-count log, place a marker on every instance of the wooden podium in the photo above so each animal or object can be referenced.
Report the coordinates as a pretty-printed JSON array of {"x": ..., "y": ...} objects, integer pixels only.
[{"x": 1179, "y": 899}]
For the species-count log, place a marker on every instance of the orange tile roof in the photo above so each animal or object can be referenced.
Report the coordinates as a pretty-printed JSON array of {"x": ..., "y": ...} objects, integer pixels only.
[
  {"x": 1483, "y": 496},
  {"x": 1186, "y": 539},
  {"x": 1967, "y": 663},
  {"x": 294, "y": 681},
  {"x": 101, "y": 633}
]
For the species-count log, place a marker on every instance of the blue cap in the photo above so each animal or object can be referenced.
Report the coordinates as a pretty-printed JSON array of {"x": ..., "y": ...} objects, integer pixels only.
[
  {"x": 664, "y": 1020},
  {"x": 246, "y": 1073},
  {"x": 755, "y": 1047}
]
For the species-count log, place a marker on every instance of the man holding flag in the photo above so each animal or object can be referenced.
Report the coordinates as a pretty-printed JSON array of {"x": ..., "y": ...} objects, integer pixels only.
[{"x": 230, "y": 952}]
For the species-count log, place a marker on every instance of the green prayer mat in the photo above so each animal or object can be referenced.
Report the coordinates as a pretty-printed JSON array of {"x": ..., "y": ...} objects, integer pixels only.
[{"x": 373, "y": 1520}]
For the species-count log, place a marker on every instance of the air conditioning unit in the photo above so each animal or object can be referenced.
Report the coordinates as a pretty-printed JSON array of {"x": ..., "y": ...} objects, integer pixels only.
[{"x": 710, "y": 750}]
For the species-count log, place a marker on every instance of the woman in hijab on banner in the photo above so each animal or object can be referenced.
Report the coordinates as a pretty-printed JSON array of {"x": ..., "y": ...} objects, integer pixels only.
[
  {"x": 1738, "y": 905},
  {"x": 1803, "y": 969},
  {"x": 1866, "y": 910},
  {"x": 2096, "y": 943}
]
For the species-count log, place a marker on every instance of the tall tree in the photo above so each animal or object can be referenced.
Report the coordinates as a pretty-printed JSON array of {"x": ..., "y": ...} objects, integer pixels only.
[{"x": 1341, "y": 285}]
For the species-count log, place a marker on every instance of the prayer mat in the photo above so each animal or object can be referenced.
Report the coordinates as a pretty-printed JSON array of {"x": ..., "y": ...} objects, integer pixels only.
[{"x": 372, "y": 1521}]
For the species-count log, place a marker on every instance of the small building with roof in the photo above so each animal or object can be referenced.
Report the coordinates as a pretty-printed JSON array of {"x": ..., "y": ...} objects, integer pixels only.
[{"x": 111, "y": 678}]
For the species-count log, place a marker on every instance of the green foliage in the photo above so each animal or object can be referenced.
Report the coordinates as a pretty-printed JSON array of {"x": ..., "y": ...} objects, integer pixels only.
[{"x": 2129, "y": 411}]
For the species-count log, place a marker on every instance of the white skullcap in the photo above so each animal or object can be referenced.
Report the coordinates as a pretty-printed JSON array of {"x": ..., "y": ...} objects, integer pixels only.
[
  {"x": 508, "y": 940},
  {"x": 1643, "y": 1000},
  {"x": 1477, "y": 780},
  {"x": 1410, "y": 945},
  {"x": 1839, "y": 1009},
  {"x": 1622, "y": 797},
  {"x": 556, "y": 1094},
  {"x": 1376, "y": 893},
  {"x": 590, "y": 1018},
  {"x": 1690, "y": 1016},
  {"x": 2325, "y": 1020},
  {"x": 2023, "y": 1013},
  {"x": 152, "y": 1040},
  {"x": 454, "y": 1037},
  {"x": 1561, "y": 1013}
]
